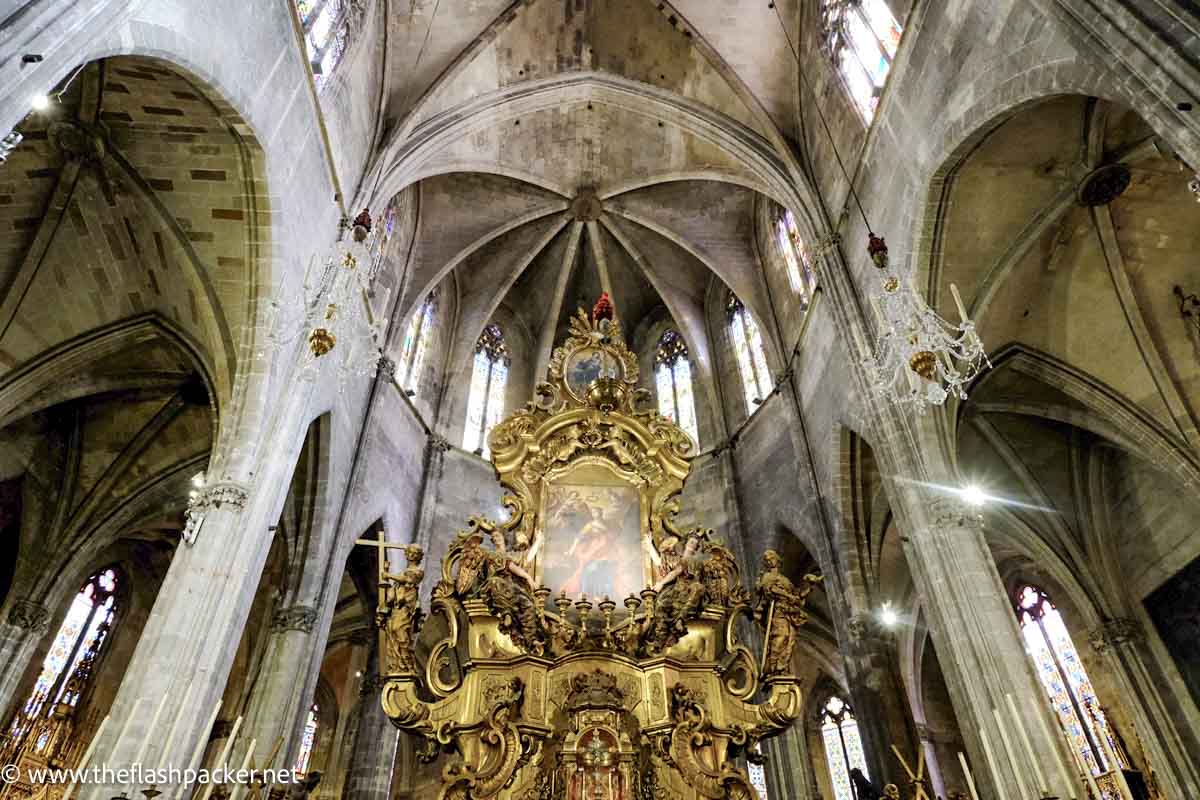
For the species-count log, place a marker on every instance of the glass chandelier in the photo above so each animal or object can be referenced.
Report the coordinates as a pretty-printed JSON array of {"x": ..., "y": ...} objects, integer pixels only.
[
  {"x": 336, "y": 314},
  {"x": 920, "y": 358}
]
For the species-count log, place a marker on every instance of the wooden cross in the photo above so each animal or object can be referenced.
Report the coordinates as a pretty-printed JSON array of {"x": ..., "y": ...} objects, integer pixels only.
[
  {"x": 382, "y": 546},
  {"x": 915, "y": 781}
]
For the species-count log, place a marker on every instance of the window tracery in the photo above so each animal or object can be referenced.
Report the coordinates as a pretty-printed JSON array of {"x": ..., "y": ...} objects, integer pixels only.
[
  {"x": 795, "y": 256},
  {"x": 748, "y": 349},
  {"x": 326, "y": 32},
  {"x": 673, "y": 382},
  {"x": 843, "y": 746},
  {"x": 70, "y": 663},
  {"x": 415, "y": 345},
  {"x": 861, "y": 37},
  {"x": 485, "y": 401},
  {"x": 1066, "y": 682}
]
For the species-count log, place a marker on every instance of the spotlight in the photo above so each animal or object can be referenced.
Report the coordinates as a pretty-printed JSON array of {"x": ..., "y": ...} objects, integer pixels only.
[
  {"x": 888, "y": 616},
  {"x": 198, "y": 480},
  {"x": 358, "y": 673},
  {"x": 973, "y": 495},
  {"x": 40, "y": 102}
]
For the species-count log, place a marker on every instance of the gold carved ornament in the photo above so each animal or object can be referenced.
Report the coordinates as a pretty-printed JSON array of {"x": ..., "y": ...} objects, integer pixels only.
[{"x": 536, "y": 696}]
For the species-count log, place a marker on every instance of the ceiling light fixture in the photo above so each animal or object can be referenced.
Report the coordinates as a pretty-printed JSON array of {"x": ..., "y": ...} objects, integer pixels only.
[
  {"x": 888, "y": 616},
  {"x": 40, "y": 102},
  {"x": 973, "y": 495}
]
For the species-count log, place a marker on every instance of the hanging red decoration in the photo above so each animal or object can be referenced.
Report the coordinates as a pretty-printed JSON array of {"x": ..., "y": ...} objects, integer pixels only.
[{"x": 603, "y": 308}]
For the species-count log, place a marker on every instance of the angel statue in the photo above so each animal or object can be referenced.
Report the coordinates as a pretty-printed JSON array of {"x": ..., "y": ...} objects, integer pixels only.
[
  {"x": 780, "y": 611},
  {"x": 399, "y": 616},
  {"x": 509, "y": 592},
  {"x": 680, "y": 591}
]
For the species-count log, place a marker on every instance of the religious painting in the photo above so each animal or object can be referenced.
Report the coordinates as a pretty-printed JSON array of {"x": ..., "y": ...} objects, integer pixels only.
[
  {"x": 586, "y": 365},
  {"x": 592, "y": 536}
]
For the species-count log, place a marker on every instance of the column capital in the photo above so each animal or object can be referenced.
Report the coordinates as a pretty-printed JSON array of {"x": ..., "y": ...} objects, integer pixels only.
[
  {"x": 1114, "y": 633},
  {"x": 439, "y": 443},
  {"x": 220, "y": 494},
  {"x": 828, "y": 243},
  {"x": 294, "y": 618},
  {"x": 387, "y": 368},
  {"x": 28, "y": 615},
  {"x": 864, "y": 629}
]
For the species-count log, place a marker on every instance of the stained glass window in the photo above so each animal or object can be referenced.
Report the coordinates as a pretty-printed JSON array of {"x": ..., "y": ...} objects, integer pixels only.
[
  {"x": 485, "y": 401},
  {"x": 307, "y": 739},
  {"x": 73, "y": 652},
  {"x": 1066, "y": 682},
  {"x": 673, "y": 380},
  {"x": 862, "y": 37},
  {"x": 416, "y": 342},
  {"x": 843, "y": 746},
  {"x": 748, "y": 349},
  {"x": 758, "y": 779},
  {"x": 795, "y": 256},
  {"x": 326, "y": 31}
]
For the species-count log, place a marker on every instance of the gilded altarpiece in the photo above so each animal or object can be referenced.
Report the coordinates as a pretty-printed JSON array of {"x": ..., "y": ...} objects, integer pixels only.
[{"x": 586, "y": 648}]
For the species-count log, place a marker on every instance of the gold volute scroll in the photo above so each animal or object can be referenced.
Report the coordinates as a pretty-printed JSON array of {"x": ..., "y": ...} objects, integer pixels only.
[{"x": 532, "y": 677}]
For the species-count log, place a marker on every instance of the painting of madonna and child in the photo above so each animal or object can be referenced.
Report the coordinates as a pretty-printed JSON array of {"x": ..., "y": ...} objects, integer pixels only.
[{"x": 592, "y": 536}]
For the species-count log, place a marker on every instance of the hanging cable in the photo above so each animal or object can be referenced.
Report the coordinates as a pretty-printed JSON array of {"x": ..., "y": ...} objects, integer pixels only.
[{"x": 824, "y": 123}]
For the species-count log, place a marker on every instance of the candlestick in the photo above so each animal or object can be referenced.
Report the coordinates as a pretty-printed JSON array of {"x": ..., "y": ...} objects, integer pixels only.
[
  {"x": 239, "y": 786},
  {"x": 991, "y": 760},
  {"x": 967, "y": 772},
  {"x": 1068, "y": 784},
  {"x": 1043, "y": 787},
  {"x": 86, "y": 755},
  {"x": 201, "y": 745},
  {"x": 166, "y": 751},
  {"x": 221, "y": 759},
  {"x": 962, "y": 311},
  {"x": 1012, "y": 756}
]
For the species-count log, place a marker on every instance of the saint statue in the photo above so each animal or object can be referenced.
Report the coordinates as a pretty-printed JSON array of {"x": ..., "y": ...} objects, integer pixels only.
[
  {"x": 400, "y": 617},
  {"x": 780, "y": 611}
]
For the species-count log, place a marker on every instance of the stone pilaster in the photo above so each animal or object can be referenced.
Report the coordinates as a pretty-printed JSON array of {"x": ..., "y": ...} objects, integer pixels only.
[
  {"x": 370, "y": 773},
  {"x": 789, "y": 767},
  {"x": 189, "y": 642},
  {"x": 26, "y": 622},
  {"x": 282, "y": 692},
  {"x": 879, "y": 701}
]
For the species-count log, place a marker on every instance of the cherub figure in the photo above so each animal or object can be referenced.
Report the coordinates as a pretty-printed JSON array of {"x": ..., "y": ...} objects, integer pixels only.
[
  {"x": 781, "y": 611},
  {"x": 400, "y": 614}
]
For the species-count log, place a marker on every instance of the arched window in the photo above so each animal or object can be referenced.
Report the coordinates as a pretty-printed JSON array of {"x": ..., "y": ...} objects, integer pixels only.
[
  {"x": 307, "y": 739},
  {"x": 862, "y": 37},
  {"x": 416, "y": 342},
  {"x": 326, "y": 31},
  {"x": 758, "y": 778},
  {"x": 843, "y": 746},
  {"x": 485, "y": 403},
  {"x": 748, "y": 348},
  {"x": 673, "y": 379},
  {"x": 70, "y": 663},
  {"x": 795, "y": 256},
  {"x": 1062, "y": 674}
]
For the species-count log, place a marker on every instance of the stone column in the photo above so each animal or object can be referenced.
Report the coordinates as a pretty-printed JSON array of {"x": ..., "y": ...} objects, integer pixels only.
[
  {"x": 281, "y": 697},
  {"x": 789, "y": 766},
  {"x": 983, "y": 658},
  {"x": 1122, "y": 644},
  {"x": 191, "y": 638},
  {"x": 341, "y": 754},
  {"x": 370, "y": 773},
  {"x": 879, "y": 701},
  {"x": 26, "y": 622}
]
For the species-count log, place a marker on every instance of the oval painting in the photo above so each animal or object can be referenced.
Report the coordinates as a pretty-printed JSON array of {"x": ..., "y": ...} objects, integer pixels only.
[{"x": 586, "y": 365}]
